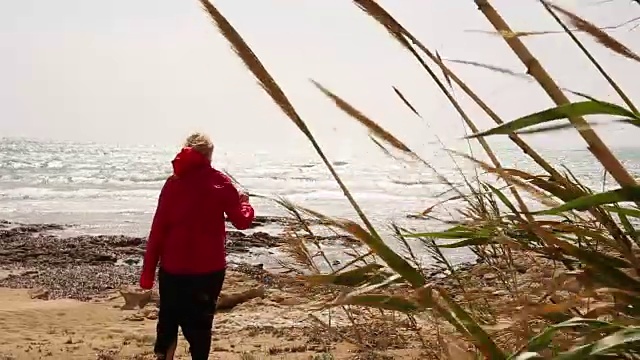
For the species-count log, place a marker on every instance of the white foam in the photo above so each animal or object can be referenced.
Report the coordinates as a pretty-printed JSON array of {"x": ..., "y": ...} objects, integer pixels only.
[{"x": 44, "y": 193}]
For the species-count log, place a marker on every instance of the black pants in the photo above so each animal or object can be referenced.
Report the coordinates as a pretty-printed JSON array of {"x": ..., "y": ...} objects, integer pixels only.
[{"x": 188, "y": 302}]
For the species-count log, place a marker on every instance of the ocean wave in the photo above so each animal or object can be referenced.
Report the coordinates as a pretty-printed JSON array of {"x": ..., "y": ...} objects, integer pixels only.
[
  {"x": 335, "y": 195},
  {"x": 305, "y": 165},
  {"x": 15, "y": 164},
  {"x": 412, "y": 183},
  {"x": 314, "y": 164},
  {"x": 140, "y": 178},
  {"x": 42, "y": 193},
  {"x": 302, "y": 178},
  {"x": 81, "y": 178}
]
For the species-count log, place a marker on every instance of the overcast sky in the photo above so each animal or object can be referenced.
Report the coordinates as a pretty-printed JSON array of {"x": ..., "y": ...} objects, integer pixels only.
[{"x": 150, "y": 71}]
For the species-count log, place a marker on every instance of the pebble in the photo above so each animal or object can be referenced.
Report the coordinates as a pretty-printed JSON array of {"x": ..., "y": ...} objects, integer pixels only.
[{"x": 490, "y": 276}]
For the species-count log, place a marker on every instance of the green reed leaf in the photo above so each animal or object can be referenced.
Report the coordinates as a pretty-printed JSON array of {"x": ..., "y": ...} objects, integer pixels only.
[
  {"x": 468, "y": 242},
  {"x": 379, "y": 301},
  {"x": 603, "y": 346},
  {"x": 560, "y": 112},
  {"x": 352, "y": 277},
  {"x": 623, "y": 210},
  {"x": 583, "y": 203},
  {"x": 543, "y": 339}
]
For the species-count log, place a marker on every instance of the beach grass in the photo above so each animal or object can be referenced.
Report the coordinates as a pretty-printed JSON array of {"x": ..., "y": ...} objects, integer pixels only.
[{"x": 568, "y": 276}]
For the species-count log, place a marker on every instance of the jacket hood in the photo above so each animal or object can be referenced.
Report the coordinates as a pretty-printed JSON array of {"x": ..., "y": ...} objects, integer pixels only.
[{"x": 187, "y": 160}]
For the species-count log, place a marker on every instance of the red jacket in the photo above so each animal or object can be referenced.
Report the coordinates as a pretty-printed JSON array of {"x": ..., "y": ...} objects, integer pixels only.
[{"x": 188, "y": 232}]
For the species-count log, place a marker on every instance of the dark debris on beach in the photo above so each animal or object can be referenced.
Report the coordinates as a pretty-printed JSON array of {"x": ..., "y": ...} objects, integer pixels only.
[{"x": 81, "y": 267}]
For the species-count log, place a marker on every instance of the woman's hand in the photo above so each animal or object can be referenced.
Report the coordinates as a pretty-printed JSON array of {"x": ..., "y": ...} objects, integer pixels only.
[{"x": 146, "y": 282}]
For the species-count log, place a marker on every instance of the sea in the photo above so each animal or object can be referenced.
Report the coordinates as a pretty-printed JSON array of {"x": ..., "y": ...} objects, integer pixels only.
[{"x": 112, "y": 189}]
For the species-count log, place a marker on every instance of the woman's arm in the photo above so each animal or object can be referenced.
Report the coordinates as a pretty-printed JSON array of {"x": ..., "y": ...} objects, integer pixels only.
[
  {"x": 155, "y": 240},
  {"x": 238, "y": 209}
]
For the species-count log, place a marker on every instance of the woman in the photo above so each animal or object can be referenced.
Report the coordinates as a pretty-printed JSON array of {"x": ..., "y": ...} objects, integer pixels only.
[{"x": 188, "y": 238}]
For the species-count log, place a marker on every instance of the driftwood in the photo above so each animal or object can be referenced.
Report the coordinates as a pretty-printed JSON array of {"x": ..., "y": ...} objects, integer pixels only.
[
  {"x": 139, "y": 299},
  {"x": 229, "y": 301},
  {"x": 134, "y": 298}
]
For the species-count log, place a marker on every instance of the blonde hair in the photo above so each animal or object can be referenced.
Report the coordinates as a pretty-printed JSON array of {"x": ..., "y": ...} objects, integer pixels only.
[{"x": 200, "y": 142}]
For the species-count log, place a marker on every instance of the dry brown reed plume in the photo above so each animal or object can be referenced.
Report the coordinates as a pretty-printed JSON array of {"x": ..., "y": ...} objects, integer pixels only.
[
  {"x": 598, "y": 34},
  {"x": 584, "y": 50},
  {"x": 552, "y": 32}
]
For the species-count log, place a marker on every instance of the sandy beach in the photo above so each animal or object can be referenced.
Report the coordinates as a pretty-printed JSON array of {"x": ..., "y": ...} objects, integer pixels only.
[
  {"x": 265, "y": 328},
  {"x": 75, "y": 298}
]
